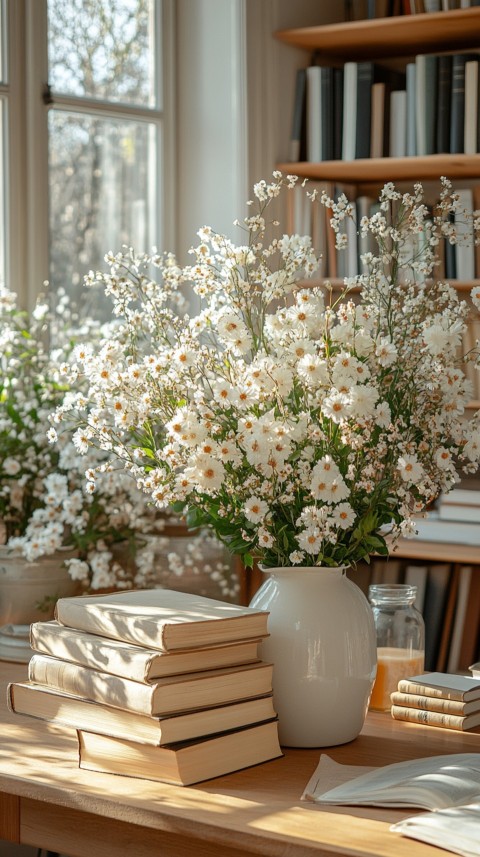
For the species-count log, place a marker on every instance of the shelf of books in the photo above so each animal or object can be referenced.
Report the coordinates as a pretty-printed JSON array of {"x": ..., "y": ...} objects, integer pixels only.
[{"x": 398, "y": 99}]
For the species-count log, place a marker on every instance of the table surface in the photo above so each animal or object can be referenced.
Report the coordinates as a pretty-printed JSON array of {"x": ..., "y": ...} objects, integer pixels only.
[{"x": 255, "y": 811}]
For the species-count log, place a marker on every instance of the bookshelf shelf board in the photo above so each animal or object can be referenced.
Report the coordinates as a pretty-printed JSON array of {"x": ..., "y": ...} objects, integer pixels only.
[
  {"x": 365, "y": 170},
  {"x": 437, "y": 552},
  {"x": 388, "y": 37},
  {"x": 338, "y": 284}
]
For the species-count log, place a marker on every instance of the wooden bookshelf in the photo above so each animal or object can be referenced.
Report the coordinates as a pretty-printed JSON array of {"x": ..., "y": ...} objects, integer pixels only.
[
  {"x": 376, "y": 170},
  {"x": 399, "y": 39},
  {"x": 389, "y": 37}
]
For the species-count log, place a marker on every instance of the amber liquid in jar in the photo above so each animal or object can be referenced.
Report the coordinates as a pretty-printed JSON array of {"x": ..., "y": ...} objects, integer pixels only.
[{"x": 400, "y": 639}]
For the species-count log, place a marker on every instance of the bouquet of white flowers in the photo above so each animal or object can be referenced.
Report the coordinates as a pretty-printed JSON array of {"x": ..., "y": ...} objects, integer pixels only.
[
  {"x": 304, "y": 427},
  {"x": 45, "y": 503}
]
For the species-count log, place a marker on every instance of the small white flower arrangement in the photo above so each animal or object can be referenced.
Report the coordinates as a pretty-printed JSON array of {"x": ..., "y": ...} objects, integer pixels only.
[
  {"x": 301, "y": 426},
  {"x": 45, "y": 503}
]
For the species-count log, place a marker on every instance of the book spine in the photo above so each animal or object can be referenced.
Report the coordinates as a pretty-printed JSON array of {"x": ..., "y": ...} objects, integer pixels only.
[
  {"x": 406, "y": 686},
  {"x": 471, "y": 103},
  {"x": 411, "y": 73},
  {"x": 444, "y": 87},
  {"x": 350, "y": 71},
  {"x": 398, "y": 124},
  {"x": 427, "y": 703},
  {"x": 364, "y": 109},
  {"x": 457, "y": 105},
  {"x": 298, "y": 119},
  {"x": 337, "y": 112},
  {"x": 314, "y": 141},
  {"x": 326, "y": 108},
  {"x": 427, "y": 718}
]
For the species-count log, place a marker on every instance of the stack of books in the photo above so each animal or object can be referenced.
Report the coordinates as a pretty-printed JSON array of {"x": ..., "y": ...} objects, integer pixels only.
[
  {"x": 438, "y": 699},
  {"x": 159, "y": 684}
]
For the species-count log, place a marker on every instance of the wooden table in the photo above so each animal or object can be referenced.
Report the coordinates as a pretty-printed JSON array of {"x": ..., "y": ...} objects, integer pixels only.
[{"x": 47, "y": 801}]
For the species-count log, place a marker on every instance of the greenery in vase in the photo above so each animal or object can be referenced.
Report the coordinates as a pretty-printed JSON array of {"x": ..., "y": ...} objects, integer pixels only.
[{"x": 302, "y": 426}]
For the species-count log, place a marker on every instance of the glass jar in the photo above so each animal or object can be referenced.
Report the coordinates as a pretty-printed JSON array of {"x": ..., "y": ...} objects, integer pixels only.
[{"x": 400, "y": 639}]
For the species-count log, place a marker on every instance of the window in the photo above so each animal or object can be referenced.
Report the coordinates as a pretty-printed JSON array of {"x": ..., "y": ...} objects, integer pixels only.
[{"x": 94, "y": 128}]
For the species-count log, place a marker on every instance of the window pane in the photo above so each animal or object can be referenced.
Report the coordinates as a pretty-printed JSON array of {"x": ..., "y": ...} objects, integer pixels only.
[
  {"x": 103, "y": 49},
  {"x": 103, "y": 188},
  {"x": 3, "y": 41},
  {"x": 3, "y": 197}
]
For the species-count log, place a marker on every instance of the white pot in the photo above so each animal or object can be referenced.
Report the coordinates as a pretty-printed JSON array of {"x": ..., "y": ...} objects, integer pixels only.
[
  {"x": 322, "y": 644},
  {"x": 24, "y": 587}
]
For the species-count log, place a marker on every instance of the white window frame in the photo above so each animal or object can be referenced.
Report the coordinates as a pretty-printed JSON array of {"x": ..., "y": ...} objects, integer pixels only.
[{"x": 27, "y": 139}]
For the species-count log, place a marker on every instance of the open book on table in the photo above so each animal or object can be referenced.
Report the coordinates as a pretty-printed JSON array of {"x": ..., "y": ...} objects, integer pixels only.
[
  {"x": 435, "y": 782},
  {"x": 449, "y": 785},
  {"x": 456, "y": 829}
]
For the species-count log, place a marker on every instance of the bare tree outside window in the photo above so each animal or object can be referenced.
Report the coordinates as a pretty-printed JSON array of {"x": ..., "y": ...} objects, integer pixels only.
[{"x": 103, "y": 144}]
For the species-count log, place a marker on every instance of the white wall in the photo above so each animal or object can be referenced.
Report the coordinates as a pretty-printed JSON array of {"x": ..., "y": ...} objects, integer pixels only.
[
  {"x": 234, "y": 97},
  {"x": 211, "y": 116}
]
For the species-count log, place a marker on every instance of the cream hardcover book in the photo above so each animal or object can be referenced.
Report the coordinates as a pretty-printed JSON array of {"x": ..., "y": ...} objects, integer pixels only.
[
  {"x": 133, "y": 661},
  {"x": 45, "y": 703},
  {"x": 162, "y": 618},
  {"x": 165, "y": 695},
  {"x": 181, "y": 764}
]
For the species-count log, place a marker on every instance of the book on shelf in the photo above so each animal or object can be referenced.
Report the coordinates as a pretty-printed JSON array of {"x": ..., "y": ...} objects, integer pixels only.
[
  {"x": 444, "y": 89},
  {"x": 410, "y": 72},
  {"x": 464, "y": 252},
  {"x": 130, "y": 661},
  {"x": 366, "y": 243},
  {"x": 350, "y": 72},
  {"x": 433, "y": 782},
  {"x": 470, "y": 636},
  {"x": 417, "y": 575},
  {"x": 298, "y": 134},
  {"x": 436, "y": 718},
  {"x": 432, "y": 529},
  {"x": 425, "y": 105},
  {"x": 457, "y": 109},
  {"x": 378, "y": 117},
  {"x": 459, "y": 512},
  {"x": 462, "y": 497},
  {"x": 453, "y": 662},
  {"x": 449, "y": 253},
  {"x": 398, "y": 124},
  {"x": 313, "y": 108},
  {"x": 162, "y": 618},
  {"x": 46, "y": 703},
  {"x": 435, "y": 601},
  {"x": 166, "y": 695},
  {"x": 435, "y": 703},
  {"x": 442, "y": 685},
  {"x": 448, "y": 620},
  {"x": 320, "y": 127},
  {"x": 180, "y": 764},
  {"x": 337, "y": 112},
  {"x": 470, "y": 128}
]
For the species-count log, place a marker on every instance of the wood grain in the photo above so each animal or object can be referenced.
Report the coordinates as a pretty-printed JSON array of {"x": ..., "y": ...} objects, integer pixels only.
[{"x": 255, "y": 811}]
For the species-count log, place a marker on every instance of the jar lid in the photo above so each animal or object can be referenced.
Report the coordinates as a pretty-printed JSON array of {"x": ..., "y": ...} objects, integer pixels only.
[{"x": 392, "y": 593}]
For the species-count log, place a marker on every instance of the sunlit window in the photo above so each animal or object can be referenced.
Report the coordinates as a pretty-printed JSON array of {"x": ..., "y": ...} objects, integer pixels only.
[
  {"x": 3, "y": 109},
  {"x": 81, "y": 137},
  {"x": 104, "y": 131}
]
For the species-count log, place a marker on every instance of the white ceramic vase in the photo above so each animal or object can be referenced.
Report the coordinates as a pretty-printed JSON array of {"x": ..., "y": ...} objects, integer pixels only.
[
  {"x": 322, "y": 644},
  {"x": 28, "y": 592}
]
